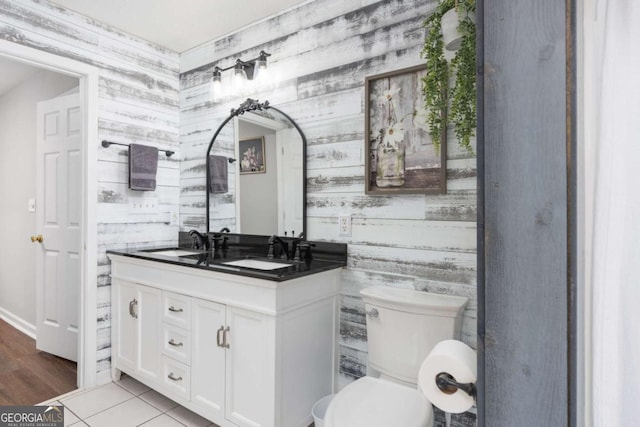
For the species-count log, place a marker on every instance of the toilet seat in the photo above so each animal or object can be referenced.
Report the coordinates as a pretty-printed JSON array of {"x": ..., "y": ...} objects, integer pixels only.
[{"x": 372, "y": 402}]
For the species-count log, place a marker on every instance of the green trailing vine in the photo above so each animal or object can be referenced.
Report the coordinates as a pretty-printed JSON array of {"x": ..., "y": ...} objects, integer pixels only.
[{"x": 462, "y": 70}]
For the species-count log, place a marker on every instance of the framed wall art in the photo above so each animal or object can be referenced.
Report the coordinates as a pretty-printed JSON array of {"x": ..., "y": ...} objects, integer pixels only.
[
  {"x": 400, "y": 156},
  {"x": 252, "y": 158}
]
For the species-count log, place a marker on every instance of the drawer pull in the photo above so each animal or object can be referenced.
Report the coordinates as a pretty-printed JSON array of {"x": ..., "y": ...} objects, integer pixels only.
[
  {"x": 218, "y": 337},
  {"x": 175, "y": 344},
  {"x": 173, "y": 378},
  {"x": 175, "y": 310}
]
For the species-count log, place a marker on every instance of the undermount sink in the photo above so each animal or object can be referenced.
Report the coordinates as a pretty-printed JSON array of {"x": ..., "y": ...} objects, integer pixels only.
[
  {"x": 257, "y": 264},
  {"x": 173, "y": 252}
]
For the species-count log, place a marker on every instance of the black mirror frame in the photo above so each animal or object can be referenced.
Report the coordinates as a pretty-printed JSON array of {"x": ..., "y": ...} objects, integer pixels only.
[{"x": 255, "y": 105}]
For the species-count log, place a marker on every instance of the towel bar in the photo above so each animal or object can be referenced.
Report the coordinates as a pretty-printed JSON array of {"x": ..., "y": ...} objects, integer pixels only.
[{"x": 106, "y": 144}]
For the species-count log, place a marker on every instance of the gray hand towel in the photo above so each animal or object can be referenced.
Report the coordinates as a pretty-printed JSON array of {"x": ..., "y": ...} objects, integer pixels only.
[
  {"x": 218, "y": 174},
  {"x": 143, "y": 166}
]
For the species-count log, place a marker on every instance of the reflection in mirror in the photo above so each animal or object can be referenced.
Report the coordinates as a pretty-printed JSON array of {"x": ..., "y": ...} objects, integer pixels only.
[{"x": 267, "y": 178}]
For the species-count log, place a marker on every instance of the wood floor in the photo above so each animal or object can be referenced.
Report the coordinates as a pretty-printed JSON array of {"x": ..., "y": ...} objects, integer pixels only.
[{"x": 29, "y": 376}]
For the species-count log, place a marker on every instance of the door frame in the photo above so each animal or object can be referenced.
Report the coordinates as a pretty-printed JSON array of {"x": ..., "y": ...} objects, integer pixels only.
[
  {"x": 257, "y": 121},
  {"x": 88, "y": 79}
]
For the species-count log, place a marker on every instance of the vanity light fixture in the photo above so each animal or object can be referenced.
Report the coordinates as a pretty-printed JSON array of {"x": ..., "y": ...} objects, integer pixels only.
[{"x": 242, "y": 71}]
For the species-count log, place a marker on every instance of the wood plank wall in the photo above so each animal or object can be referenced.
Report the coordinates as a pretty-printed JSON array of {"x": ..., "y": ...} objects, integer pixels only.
[
  {"x": 138, "y": 102},
  {"x": 321, "y": 53}
]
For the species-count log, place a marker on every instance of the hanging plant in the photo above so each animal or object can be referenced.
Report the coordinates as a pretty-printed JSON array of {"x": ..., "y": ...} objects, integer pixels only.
[{"x": 462, "y": 70}]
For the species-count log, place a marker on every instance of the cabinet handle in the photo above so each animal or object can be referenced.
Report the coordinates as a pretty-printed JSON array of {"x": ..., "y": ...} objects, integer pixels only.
[
  {"x": 175, "y": 344},
  {"x": 173, "y": 378},
  {"x": 218, "y": 337},
  {"x": 132, "y": 304},
  {"x": 176, "y": 310},
  {"x": 135, "y": 308},
  {"x": 225, "y": 344}
]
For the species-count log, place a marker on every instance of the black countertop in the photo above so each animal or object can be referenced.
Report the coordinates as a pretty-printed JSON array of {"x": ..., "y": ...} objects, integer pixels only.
[{"x": 324, "y": 256}]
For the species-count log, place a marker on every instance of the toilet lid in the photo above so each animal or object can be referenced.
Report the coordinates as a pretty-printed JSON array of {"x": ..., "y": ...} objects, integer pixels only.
[{"x": 371, "y": 402}]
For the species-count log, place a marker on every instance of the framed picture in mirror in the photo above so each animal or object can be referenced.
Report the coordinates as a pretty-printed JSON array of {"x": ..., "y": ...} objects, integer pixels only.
[
  {"x": 252, "y": 158},
  {"x": 401, "y": 157}
]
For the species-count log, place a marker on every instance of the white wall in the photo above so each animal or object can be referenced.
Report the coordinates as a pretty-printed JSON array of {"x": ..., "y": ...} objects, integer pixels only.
[
  {"x": 17, "y": 185},
  {"x": 259, "y": 192}
]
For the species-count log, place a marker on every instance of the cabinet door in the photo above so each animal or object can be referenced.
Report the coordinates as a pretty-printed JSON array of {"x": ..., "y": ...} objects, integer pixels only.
[
  {"x": 149, "y": 332},
  {"x": 125, "y": 337},
  {"x": 250, "y": 369},
  {"x": 208, "y": 358}
]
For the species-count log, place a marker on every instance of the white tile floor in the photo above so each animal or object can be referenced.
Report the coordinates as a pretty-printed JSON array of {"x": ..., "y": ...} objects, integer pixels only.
[{"x": 126, "y": 403}]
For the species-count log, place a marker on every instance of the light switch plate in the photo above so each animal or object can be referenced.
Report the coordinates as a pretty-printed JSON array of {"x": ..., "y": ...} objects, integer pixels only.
[{"x": 31, "y": 205}]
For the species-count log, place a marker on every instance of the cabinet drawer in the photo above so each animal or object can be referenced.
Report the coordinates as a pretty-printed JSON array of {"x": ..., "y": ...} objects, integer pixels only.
[
  {"x": 176, "y": 343},
  {"x": 176, "y": 378},
  {"x": 176, "y": 309}
]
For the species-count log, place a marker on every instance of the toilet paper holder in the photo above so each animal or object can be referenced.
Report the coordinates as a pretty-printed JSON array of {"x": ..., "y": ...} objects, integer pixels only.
[{"x": 448, "y": 385}]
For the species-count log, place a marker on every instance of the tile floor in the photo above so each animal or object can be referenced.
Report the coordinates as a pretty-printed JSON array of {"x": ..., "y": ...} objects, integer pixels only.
[{"x": 126, "y": 403}]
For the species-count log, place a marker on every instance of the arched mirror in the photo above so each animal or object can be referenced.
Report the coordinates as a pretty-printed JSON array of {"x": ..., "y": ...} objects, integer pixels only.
[{"x": 266, "y": 177}]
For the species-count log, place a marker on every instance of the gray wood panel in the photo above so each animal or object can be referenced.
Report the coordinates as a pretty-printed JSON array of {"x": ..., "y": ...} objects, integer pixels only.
[{"x": 523, "y": 163}]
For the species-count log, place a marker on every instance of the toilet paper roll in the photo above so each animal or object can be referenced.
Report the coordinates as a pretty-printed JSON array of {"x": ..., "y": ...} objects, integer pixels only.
[{"x": 458, "y": 360}]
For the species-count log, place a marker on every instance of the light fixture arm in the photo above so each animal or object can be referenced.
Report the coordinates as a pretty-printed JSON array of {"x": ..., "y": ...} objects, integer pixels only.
[{"x": 248, "y": 66}]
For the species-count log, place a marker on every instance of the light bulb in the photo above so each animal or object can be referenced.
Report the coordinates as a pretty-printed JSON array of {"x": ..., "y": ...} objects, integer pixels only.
[
  {"x": 215, "y": 87},
  {"x": 239, "y": 78}
]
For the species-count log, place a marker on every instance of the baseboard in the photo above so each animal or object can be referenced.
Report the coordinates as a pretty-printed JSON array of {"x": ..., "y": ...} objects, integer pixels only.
[
  {"x": 103, "y": 377},
  {"x": 18, "y": 323}
]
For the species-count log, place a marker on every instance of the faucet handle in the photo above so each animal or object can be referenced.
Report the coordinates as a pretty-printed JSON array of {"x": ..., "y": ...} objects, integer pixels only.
[{"x": 270, "y": 242}]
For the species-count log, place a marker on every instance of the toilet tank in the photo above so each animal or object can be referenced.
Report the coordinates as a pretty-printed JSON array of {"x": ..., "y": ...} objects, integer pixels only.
[{"x": 407, "y": 326}]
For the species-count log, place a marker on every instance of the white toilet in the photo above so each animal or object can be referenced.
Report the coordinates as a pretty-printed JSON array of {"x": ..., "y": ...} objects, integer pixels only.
[{"x": 403, "y": 326}]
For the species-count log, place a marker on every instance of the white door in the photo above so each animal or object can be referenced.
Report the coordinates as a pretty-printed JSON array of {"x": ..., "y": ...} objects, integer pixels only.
[
  {"x": 58, "y": 216},
  {"x": 290, "y": 198}
]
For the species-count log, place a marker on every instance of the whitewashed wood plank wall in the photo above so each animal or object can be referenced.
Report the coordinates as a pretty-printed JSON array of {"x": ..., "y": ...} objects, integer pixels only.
[
  {"x": 321, "y": 53},
  {"x": 138, "y": 102}
]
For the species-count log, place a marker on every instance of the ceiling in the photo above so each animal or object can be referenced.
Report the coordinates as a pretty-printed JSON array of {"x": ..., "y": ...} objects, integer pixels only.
[{"x": 178, "y": 25}]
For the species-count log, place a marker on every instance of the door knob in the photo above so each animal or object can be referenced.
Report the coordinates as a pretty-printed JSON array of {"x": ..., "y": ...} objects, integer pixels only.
[{"x": 37, "y": 238}]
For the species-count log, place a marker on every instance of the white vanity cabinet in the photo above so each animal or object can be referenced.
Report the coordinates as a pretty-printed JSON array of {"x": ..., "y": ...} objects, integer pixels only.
[{"x": 237, "y": 350}]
